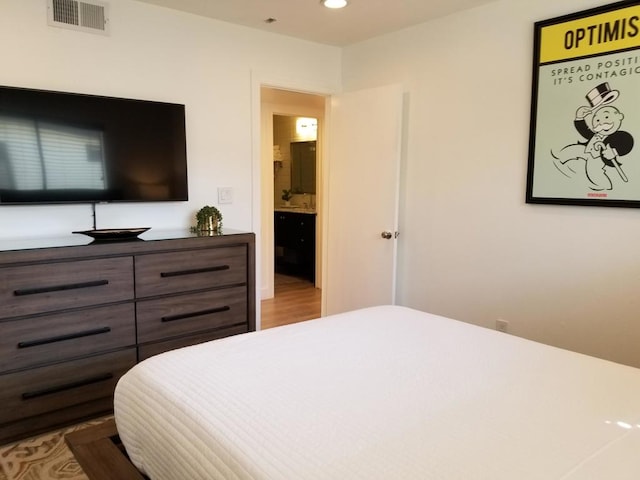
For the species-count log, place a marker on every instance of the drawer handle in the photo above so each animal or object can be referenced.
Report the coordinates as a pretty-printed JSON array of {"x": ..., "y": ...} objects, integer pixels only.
[
  {"x": 59, "y": 288},
  {"x": 61, "y": 338},
  {"x": 178, "y": 273},
  {"x": 182, "y": 316},
  {"x": 67, "y": 386}
]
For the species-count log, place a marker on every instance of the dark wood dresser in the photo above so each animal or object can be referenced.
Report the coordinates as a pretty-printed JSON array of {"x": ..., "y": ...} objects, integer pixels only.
[{"x": 75, "y": 315}]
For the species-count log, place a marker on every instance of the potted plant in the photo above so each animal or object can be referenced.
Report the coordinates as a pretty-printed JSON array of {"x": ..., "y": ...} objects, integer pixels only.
[
  {"x": 286, "y": 195},
  {"x": 208, "y": 219}
]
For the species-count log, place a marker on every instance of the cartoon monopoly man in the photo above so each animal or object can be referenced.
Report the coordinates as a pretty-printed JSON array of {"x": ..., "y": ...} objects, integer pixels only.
[{"x": 599, "y": 123}]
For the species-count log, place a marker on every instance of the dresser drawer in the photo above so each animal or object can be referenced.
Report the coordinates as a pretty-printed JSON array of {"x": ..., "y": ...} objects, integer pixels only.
[
  {"x": 150, "y": 349},
  {"x": 46, "y": 389},
  {"x": 191, "y": 313},
  {"x": 163, "y": 273},
  {"x": 48, "y": 287},
  {"x": 49, "y": 421},
  {"x": 62, "y": 336}
]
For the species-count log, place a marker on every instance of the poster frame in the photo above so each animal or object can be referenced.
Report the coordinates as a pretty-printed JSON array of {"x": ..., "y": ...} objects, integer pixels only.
[{"x": 595, "y": 199}]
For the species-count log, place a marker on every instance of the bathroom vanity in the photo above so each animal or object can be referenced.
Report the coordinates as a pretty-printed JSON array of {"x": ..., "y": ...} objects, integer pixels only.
[{"x": 295, "y": 242}]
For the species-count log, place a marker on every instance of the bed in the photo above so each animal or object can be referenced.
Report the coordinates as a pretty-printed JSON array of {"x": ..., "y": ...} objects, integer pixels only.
[{"x": 380, "y": 393}]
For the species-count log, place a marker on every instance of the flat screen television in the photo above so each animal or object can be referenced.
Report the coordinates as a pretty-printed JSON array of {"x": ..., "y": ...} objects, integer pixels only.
[{"x": 60, "y": 147}]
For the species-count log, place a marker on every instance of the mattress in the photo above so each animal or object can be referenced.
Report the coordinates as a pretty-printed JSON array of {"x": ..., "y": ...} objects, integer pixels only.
[{"x": 380, "y": 393}]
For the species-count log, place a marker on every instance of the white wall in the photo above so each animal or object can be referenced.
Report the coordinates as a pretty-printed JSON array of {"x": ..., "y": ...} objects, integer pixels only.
[
  {"x": 470, "y": 246},
  {"x": 158, "y": 54}
]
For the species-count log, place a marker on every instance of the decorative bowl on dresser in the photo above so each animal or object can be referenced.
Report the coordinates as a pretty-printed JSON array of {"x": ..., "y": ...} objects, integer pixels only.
[{"x": 75, "y": 315}]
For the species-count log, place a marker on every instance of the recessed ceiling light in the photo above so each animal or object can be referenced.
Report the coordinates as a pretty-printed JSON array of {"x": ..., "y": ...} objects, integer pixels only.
[
  {"x": 270, "y": 20},
  {"x": 334, "y": 3}
]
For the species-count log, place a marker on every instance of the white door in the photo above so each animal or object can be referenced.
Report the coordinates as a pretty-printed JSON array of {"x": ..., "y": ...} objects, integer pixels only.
[{"x": 364, "y": 147}]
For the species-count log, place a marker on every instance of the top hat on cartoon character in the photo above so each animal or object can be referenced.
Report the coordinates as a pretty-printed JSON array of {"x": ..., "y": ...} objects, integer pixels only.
[{"x": 601, "y": 95}]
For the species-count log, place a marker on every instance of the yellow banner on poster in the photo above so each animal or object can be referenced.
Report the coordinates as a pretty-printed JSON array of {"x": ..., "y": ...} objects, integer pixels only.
[{"x": 597, "y": 34}]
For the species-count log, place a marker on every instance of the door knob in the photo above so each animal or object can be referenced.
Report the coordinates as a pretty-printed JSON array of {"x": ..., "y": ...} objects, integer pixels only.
[{"x": 387, "y": 235}]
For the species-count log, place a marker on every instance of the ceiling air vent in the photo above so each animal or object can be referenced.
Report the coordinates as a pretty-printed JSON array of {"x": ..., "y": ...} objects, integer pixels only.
[{"x": 77, "y": 15}]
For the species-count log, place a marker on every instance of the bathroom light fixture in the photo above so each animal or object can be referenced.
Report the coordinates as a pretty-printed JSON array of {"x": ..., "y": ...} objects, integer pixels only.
[
  {"x": 307, "y": 128},
  {"x": 334, "y": 3}
]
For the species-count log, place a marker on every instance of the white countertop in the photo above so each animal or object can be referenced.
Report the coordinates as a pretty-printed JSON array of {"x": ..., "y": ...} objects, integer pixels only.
[{"x": 295, "y": 209}]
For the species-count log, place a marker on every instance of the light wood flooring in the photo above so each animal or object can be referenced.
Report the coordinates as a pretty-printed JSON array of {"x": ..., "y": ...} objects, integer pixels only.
[{"x": 295, "y": 300}]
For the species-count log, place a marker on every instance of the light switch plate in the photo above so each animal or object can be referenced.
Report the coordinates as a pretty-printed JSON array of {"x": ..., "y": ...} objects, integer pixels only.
[{"x": 225, "y": 195}]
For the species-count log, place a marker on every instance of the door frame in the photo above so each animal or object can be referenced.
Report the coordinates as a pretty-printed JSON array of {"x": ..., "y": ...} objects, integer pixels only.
[
  {"x": 258, "y": 208},
  {"x": 269, "y": 110}
]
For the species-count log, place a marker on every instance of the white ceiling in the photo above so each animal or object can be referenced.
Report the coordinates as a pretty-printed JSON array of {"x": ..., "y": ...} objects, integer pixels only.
[{"x": 309, "y": 20}]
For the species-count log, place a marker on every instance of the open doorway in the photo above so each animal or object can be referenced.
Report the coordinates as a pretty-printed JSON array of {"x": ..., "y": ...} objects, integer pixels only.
[
  {"x": 295, "y": 200},
  {"x": 359, "y": 222},
  {"x": 291, "y": 200}
]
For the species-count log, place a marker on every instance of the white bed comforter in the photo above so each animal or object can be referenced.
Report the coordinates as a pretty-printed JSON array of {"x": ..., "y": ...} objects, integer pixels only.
[{"x": 380, "y": 393}]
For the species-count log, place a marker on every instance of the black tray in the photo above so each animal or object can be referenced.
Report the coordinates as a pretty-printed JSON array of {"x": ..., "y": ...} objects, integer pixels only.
[{"x": 109, "y": 234}]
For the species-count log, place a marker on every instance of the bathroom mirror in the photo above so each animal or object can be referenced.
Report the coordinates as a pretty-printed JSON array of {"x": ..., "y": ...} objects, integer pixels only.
[
  {"x": 294, "y": 155},
  {"x": 303, "y": 167}
]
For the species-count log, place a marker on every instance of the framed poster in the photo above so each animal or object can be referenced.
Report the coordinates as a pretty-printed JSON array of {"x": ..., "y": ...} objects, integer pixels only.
[{"x": 585, "y": 109}]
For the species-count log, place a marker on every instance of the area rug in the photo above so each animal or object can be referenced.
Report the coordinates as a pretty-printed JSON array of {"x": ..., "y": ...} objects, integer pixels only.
[{"x": 45, "y": 457}]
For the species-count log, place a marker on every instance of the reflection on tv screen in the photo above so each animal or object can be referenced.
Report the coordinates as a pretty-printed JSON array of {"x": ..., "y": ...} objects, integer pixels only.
[{"x": 40, "y": 155}]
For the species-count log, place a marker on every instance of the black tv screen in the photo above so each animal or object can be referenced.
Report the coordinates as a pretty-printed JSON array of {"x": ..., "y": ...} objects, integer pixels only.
[{"x": 60, "y": 147}]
